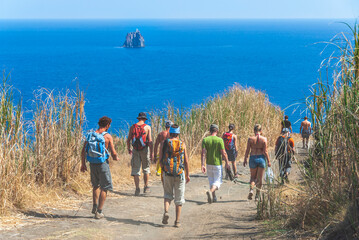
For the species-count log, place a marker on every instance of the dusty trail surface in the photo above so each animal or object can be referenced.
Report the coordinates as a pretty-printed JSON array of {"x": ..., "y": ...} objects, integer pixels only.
[{"x": 130, "y": 217}]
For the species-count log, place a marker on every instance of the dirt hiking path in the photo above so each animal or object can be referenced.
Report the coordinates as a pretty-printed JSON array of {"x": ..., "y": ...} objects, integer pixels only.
[{"x": 130, "y": 217}]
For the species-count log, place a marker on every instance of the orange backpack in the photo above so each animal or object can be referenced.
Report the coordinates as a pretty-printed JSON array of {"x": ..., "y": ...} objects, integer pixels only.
[{"x": 173, "y": 157}]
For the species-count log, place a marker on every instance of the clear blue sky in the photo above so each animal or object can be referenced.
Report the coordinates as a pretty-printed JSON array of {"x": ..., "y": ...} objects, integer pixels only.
[{"x": 79, "y": 9}]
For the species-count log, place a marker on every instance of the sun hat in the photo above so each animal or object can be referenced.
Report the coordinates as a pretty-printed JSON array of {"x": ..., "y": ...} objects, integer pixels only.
[
  {"x": 142, "y": 115},
  {"x": 213, "y": 126},
  {"x": 168, "y": 123},
  {"x": 175, "y": 130}
]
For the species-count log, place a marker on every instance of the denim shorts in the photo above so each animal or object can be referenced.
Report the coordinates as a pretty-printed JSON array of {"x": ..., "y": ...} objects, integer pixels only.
[{"x": 257, "y": 161}]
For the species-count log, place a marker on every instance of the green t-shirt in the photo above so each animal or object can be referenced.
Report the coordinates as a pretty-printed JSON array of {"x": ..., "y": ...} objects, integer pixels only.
[{"x": 213, "y": 146}]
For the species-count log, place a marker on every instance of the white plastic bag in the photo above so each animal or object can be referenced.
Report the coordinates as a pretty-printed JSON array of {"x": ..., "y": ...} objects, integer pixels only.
[{"x": 269, "y": 175}]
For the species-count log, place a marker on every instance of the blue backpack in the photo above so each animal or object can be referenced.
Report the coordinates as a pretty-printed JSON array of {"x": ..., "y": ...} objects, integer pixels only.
[{"x": 96, "y": 151}]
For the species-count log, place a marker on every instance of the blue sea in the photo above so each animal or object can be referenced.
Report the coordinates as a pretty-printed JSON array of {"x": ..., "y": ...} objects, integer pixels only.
[{"x": 184, "y": 61}]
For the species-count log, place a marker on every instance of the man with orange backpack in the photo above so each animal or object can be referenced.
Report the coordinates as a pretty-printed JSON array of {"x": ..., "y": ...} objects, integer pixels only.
[
  {"x": 140, "y": 138},
  {"x": 175, "y": 172},
  {"x": 230, "y": 144}
]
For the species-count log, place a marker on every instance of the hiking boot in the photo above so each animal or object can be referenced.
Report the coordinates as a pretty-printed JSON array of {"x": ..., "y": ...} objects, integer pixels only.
[
  {"x": 165, "y": 218},
  {"x": 146, "y": 189},
  {"x": 250, "y": 195},
  {"x": 99, "y": 215},
  {"x": 214, "y": 199},
  {"x": 137, "y": 192},
  {"x": 209, "y": 197},
  {"x": 177, "y": 224},
  {"x": 94, "y": 209}
]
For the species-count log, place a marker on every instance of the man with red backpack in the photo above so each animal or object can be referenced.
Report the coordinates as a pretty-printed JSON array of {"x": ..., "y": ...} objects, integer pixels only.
[
  {"x": 140, "y": 138},
  {"x": 95, "y": 150},
  {"x": 175, "y": 172},
  {"x": 230, "y": 144}
]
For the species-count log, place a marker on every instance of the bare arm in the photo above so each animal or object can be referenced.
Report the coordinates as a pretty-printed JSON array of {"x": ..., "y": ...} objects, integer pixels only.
[
  {"x": 247, "y": 152},
  {"x": 265, "y": 152},
  {"x": 301, "y": 126},
  {"x": 83, "y": 158},
  {"x": 150, "y": 143},
  {"x": 157, "y": 143},
  {"x": 291, "y": 130},
  {"x": 203, "y": 159},
  {"x": 186, "y": 168},
  {"x": 128, "y": 140},
  {"x": 225, "y": 157},
  {"x": 111, "y": 146},
  {"x": 161, "y": 154},
  {"x": 235, "y": 142}
]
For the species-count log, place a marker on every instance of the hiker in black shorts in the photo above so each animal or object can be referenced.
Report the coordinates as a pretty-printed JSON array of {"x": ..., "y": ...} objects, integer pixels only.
[
  {"x": 95, "y": 150},
  {"x": 230, "y": 144}
]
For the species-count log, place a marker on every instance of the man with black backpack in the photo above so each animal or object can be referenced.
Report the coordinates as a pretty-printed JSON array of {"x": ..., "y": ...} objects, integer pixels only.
[
  {"x": 284, "y": 148},
  {"x": 175, "y": 172},
  {"x": 140, "y": 138},
  {"x": 95, "y": 150}
]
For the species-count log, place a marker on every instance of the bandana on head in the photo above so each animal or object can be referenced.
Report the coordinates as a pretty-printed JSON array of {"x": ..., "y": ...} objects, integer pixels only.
[{"x": 175, "y": 130}]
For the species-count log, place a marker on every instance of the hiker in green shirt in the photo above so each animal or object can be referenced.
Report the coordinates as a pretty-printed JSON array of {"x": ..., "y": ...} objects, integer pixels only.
[{"x": 212, "y": 153}]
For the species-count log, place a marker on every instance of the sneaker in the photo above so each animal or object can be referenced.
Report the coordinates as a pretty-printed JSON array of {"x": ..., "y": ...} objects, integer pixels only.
[
  {"x": 94, "y": 209},
  {"x": 214, "y": 199},
  {"x": 250, "y": 195},
  {"x": 99, "y": 215},
  {"x": 165, "y": 218},
  {"x": 177, "y": 224},
  {"x": 137, "y": 192},
  {"x": 146, "y": 189},
  {"x": 209, "y": 197}
]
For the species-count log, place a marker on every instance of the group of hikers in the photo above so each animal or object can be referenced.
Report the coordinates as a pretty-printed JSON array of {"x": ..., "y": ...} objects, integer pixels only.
[{"x": 170, "y": 152}]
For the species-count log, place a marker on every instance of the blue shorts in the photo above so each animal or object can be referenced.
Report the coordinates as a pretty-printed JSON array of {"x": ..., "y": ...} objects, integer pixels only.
[{"x": 257, "y": 161}]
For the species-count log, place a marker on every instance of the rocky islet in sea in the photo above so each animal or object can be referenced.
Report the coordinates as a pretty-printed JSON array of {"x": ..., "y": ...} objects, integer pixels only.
[{"x": 134, "y": 40}]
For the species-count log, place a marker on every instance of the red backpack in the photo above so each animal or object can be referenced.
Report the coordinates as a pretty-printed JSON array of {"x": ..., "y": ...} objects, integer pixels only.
[
  {"x": 228, "y": 140},
  {"x": 139, "y": 139}
]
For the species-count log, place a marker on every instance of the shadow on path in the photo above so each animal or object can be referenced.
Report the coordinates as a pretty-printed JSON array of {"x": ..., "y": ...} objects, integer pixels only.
[
  {"x": 49, "y": 215},
  {"x": 132, "y": 222}
]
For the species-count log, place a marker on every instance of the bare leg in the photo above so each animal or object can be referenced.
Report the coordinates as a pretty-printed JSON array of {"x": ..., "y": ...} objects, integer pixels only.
[
  {"x": 303, "y": 142},
  {"x": 178, "y": 212},
  {"x": 102, "y": 200},
  {"x": 137, "y": 181},
  {"x": 95, "y": 195},
  {"x": 234, "y": 167},
  {"x": 167, "y": 203},
  {"x": 253, "y": 177},
  {"x": 260, "y": 174},
  {"x": 145, "y": 178},
  {"x": 213, "y": 189}
]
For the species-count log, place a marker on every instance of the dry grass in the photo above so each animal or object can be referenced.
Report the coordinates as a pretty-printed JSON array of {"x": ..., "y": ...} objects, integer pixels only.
[
  {"x": 40, "y": 157},
  {"x": 327, "y": 204}
]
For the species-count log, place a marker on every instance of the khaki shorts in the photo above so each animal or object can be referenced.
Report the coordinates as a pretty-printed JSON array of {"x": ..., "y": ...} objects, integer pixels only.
[
  {"x": 140, "y": 157},
  {"x": 174, "y": 184}
]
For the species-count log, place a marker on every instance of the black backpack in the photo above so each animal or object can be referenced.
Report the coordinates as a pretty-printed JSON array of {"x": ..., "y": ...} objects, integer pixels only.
[{"x": 282, "y": 147}]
